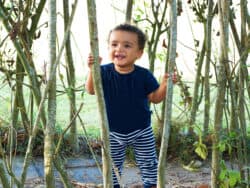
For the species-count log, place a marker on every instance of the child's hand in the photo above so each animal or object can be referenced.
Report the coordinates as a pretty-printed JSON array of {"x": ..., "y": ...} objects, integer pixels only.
[
  {"x": 91, "y": 60},
  {"x": 173, "y": 76}
]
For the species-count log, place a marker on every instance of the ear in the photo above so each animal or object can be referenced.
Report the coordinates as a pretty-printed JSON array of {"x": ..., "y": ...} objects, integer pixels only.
[{"x": 139, "y": 54}]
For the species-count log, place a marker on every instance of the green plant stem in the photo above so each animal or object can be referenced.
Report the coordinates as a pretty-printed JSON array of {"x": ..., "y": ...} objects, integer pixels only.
[{"x": 3, "y": 177}]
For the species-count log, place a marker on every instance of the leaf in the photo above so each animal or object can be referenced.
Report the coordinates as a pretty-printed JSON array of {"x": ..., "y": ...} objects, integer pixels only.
[
  {"x": 201, "y": 150},
  {"x": 234, "y": 177},
  {"x": 138, "y": 17},
  {"x": 222, "y": 175},
  {"x": 223, "y": 165},
  {"x": 222, "y": 147},
  {"x": 229, "y": 149},
  {"x": 190, "y": 168}
]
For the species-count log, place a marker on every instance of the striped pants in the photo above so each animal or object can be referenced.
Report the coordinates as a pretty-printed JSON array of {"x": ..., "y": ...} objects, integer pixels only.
[{"x": 143, "y": 143}]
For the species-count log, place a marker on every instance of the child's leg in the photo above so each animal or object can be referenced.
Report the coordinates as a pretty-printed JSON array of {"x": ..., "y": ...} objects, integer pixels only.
[
  {"x": 146, "y": 157},
  {"x": 117, "y": 148}
]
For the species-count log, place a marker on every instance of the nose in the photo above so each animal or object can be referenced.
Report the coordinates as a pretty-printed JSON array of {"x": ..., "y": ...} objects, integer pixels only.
[{"x": 119, "y": 47}]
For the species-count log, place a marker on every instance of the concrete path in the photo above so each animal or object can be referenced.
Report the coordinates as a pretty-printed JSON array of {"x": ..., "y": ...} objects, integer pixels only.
[
  {"x": 86, "y": 174},
  {"x": 82, "y": 170}
]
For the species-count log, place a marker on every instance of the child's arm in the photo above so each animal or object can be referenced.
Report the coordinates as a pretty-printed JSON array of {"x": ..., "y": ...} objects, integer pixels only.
[
  {"x": 160, "y": 93},
  {"x": 89, "y": 85}
]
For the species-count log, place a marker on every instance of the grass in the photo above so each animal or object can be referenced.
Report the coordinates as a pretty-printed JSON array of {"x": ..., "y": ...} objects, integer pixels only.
[
  {"x": 90, "y": 117},
  {"x": 89, "y": 113}
]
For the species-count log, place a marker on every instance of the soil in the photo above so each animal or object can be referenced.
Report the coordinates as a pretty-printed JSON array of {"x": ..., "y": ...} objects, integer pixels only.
[{"x": 84, "y": 173}]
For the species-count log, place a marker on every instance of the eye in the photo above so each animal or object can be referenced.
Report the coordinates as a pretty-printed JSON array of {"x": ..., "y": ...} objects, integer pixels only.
[
  {"x": 113, "y": 44},
  {"x": 127, "y": 46}
]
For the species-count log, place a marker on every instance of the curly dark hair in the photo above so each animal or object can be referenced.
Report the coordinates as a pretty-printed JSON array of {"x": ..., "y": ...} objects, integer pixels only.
[{"x": 133, "y": 29}]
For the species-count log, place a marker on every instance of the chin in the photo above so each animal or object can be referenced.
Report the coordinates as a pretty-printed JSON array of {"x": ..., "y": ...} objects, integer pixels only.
[{"x": 120, "y": 64}]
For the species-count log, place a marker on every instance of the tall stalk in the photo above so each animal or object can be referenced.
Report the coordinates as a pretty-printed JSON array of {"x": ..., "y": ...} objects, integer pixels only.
[
  {"x": 25, "y": 58},
  {"x": 70, "y": 70},
  {"x": 242, "y": 71},
  {"x": 198, "y": 79},
  {"x": 223, "y": 6},
  {"x": 207, "y": 66},
  {"x": 50, "y": 127},
  {"x": 162, "y": 117},
  {"x": 169, "y": 96},
  {"x": 3, "y": 177},
  {"x": 23, "y": 42},
  {"x": 44, "y": 96},
  {"x": 158, "y": 28},
  {"x": 93, "y": 33},
  {"x": 129, "y": 11}
]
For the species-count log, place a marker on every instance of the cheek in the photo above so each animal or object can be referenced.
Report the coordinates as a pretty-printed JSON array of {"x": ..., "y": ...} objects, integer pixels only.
[
  {"x": 110, "y": 54},
  {"x": 110, "y": 50}
]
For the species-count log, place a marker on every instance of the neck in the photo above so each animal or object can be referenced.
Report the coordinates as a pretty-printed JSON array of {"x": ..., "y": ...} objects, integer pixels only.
[{"x": 124, "y": 70}]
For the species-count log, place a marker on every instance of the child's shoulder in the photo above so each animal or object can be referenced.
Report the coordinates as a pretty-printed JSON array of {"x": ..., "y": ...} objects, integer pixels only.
[
  {"x": 108, "y": 66},
  {"x": 142, "y": 70}
]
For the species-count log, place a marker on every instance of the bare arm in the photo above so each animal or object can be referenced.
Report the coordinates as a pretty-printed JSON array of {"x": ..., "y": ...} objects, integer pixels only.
[
  {"x": 89, "y": 85},
  {"x": 159, "y": 94}
]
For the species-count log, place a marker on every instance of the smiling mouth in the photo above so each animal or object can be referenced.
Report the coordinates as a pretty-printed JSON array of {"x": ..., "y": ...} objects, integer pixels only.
[{"x": 119, "y": 57}]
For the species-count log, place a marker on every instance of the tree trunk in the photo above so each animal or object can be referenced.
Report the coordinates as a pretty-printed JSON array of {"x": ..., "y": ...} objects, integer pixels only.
[
  {"x": 223, "y": 6},
  {"x": 71, "y": 81},
  {"x": 208, "y": 39},
  {"x": 169, "y": 96},
  {"x": 106, "y": 158},
  {"x": 129, "y": 11},
  {"x": 50, "y": 127}
]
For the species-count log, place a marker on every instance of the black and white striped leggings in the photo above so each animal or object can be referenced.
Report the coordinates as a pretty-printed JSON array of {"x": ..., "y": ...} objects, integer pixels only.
[{"x": 143, "y": 143}]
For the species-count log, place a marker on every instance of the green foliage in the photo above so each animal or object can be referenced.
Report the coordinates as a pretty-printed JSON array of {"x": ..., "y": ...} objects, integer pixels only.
[
  {"x": 138, "y": 13},
  {"x": 200, "y": 148},
  {"x": 161, "y": 56},
  {"x": 228, "y": 178},
  {"x": 227, "y": 142},
  {"x": 93, "y": 132}
]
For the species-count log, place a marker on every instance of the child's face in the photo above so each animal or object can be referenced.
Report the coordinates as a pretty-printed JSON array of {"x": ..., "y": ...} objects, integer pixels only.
[{"x": 123, "y": 48}]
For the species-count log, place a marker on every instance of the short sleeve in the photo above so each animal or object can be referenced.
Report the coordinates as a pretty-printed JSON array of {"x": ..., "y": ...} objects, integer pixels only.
[{"x": 151, "y": 84}]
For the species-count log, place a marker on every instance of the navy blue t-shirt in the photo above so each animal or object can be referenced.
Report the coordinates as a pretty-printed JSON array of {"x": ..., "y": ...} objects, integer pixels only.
[{"x": 126, "y": 98}]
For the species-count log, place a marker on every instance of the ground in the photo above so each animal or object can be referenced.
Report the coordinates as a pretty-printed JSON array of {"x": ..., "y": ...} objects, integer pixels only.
[{"x": 84, "y": 173}]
